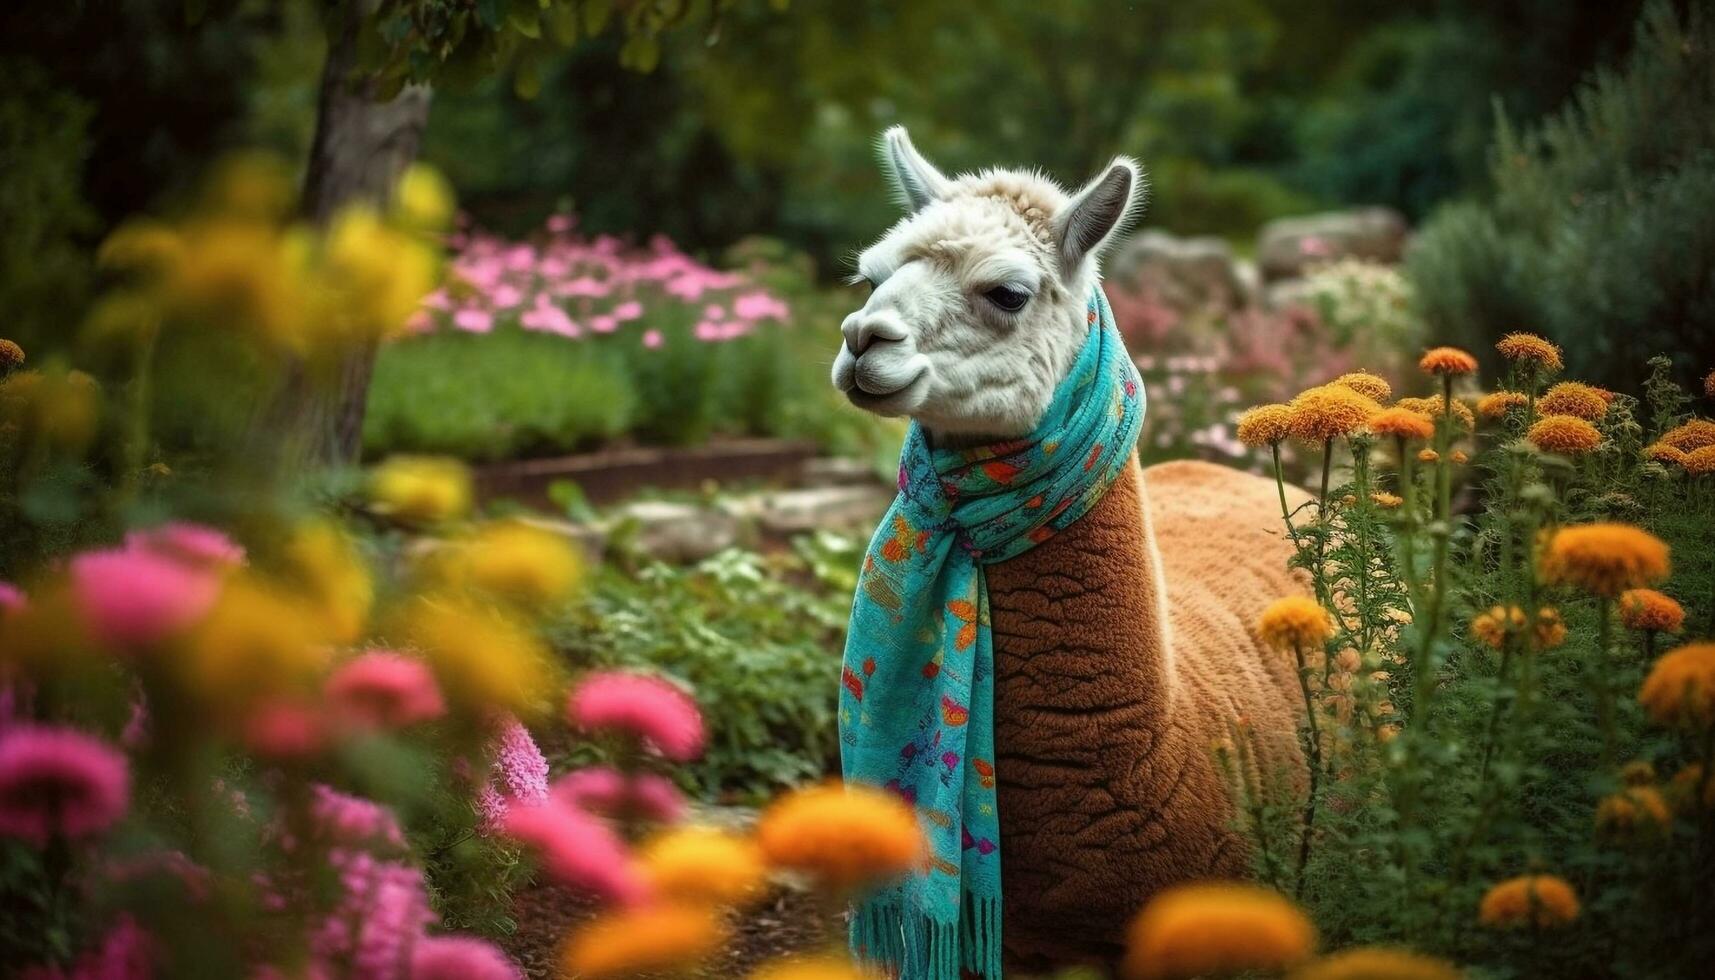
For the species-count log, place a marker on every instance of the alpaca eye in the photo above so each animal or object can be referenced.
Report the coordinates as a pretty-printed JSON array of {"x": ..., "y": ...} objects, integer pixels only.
[{"x": 1009, "y": 299}]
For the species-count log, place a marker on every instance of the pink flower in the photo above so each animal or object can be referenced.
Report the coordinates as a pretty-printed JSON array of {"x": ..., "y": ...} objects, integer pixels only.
[
  {"x": 125, "y": 953},
  {"x": 460, "y": 958},
  {"x": 284, "y": 730},
  {"x": 382, "y": 689},
  {"x": 576, "y": 849},
  {"x": 647, "y": 707},
  {"x": 378, "y": 920},
  {"x": 12, "y": 598},
  {"x": 609, "y": 793},
  {"x": 628, "y": 311},
  {"x": 603, "y": 324},
  {"x": 133, "y": 598},
  {"x": 714, "y": 311},
  {"x": 759, "y": 306},
  {"x": 59, "y": 781},
  {"x": 520, "y": 775},
  {"x": 506, "y": 296},
  {"x": 474, "y": 320},
  {"x": 197, "y": 545},
  {"x": 559, "y": 224},
  {"x": 547, "y": 318},
  {"x": 706, "y": 331},
  {"x": 652, "y": 339},
  {"x": 136, "y": 730},
  {"x": 352, "y": 821},
  {"x": 584, "y": 286}
]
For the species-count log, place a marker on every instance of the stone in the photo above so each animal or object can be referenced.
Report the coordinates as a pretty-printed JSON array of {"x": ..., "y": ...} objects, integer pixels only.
[
  {"x": 1286, "y": 246},
  {"x": 824, "y": 508},
  {"x": 838, "y": 471},
  {"x": 678, "y": 532},
  {"x": 1185, "y": 274}
]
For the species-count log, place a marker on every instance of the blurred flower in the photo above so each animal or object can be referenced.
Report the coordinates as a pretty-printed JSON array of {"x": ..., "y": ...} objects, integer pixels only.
[
  {"x": 1637, "y": 773},
  {"x": 12, "y": 598},
  {"x": 846, "y": 835},
  {"x": 1564, "y": 434},
  {"x": 1550, "y": 628},
  {"x": 1364, "y": 383},
  {"x": 1385, "y": 500},
  {"x": 425, "y": 489},
  {"x": 1216, "y": 929},
  {"x": 1694, "y": 434},
  {"x": 1604, "y": 559},
  {"x": 1685, "y": 786},
  {"x": 1680, "y": 688},
  {"x": 1528, "y": 348},
  {"x": 577, "y": 850},
  {"x": 283, "y": 730},
  {"x": 610, "y": 793},
  {"x": 664, "y": 938},
  {"x": 640, "y": 705},
  {"x": 483, "y": 658},
  {"x": 1709, "y": 385},
  {"x": 518, "y": 774},
  {"x": 193, "y": 544},
  {"x": 133, "y": 599},
  {"x": 460, "y": 958},
  {"x": 383, "y": 689},
  {"x": 1400, "y": 423},
  {"x": 126, "y": 952},
  {"x": 1330, "y": 411},
  {"x": 652, "y": 339},
  {"x": 382, "y": 910},
  {"x": 258, "y": 641},
  {"x": 1265, "y": 425},
  {"x": 1636, "y": 809},
  {"x": 1437, "y": 407},
  {"x": 1647, "y": 609},
  {"x": 811, "y": 968},
  {"x": 352, "y": 821},
  {"x": 1496, "y": 404},
  {"x": 1427, "y": 456},
  {"x": 1460, "y": 457},
  {"x": 514, "y": 560},
  {"x": 374, "y": 275},
  {"x": 57, "y": 781},
  {"x": 1544, "y": 901},
  {"x": 1699, "y": 461},
  {"x": 1376, "y": 963},
  {"x": 702, "y": 865},
  {"x": 423, "y": 199},
  {"x": 1661, "y": 452},
  {"x": 60, "y": 407},
  {"x": 11, "y": 355},
  {"x": 327, "y": 568},
  {"x": 1294, "y": 623},
  {"x": 1494, "y": 626},
  {"x": 1447, "y": 361}
]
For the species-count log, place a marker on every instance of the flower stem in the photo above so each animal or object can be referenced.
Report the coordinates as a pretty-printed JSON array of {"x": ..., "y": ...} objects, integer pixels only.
[{"x": 1314, "y": 762}]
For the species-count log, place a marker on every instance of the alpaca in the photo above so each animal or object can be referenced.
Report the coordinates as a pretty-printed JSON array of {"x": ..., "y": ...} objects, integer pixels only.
[{"x": 1124, "y": 647}]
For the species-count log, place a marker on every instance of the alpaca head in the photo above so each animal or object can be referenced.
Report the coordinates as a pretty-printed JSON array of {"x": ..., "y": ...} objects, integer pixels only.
[{"x": 978, "y": 295}]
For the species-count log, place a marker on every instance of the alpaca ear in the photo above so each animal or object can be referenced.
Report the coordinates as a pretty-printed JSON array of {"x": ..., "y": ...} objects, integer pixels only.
[
  {"x": 916, "y": 179},
  {"x": 1094, "y": 216}
]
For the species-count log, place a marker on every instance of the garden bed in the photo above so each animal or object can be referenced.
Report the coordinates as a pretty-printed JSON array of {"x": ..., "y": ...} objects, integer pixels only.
[{"x": 611, "y": 474}]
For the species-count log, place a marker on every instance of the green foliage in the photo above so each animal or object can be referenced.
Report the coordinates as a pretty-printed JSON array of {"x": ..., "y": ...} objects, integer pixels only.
[{"x": 1593, "y": 234}]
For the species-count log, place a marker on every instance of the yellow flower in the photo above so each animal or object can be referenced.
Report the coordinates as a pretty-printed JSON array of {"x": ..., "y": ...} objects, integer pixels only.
[
  {"x": 1575, "y": 399},
  {"x": 1215, "y": 929},
  {"x": 1435, "y": 408},
  {"x": 377, "y": 275},
  {"x": 1364, "y": 383},
  {"x": 1265, "y": 425},
  {"x": 1699, "y": 461},
  {"x": 423, "y": 199},
  {"x": 1634, "y": 809},
  {"x": 1295, "y": 623},
  {"x": 1661, "y": 452},
  {"x": 1385, "y": 500},
  {"x": 141, "y": 246},
  {"x": 483, "y": 659},
  {"x": 1647, "y": 609},
  {"x": 1694, "y": 434},
  {"x": 697, "y": 865},
  {"x": 1680, "y": 688},
  {"x": 1564, "y": 434},
  {"x": 241, "y": 275},
  {"x": 1328, "y": 412},
  {"x": 1401, "y": 423},
  {"x": 425, "y": 489},
  {"x": 812, "y": 968},
  {"x": 845, "y": 835},
  {"x": 62, "y": 408},
  {"x": 1494, "y": 626},
  {"x": 325, "y": 565},
  {"x": 1541, "y": 900},
  {"x": 258, "y": 641},
  {"x": 514, "y": 560},
  {"x": 1496, "y": 404},
  {"x": 1376, "y": 963},
  {"x": 1550, "y": 628},
  {"x": 1528, "y": 348},
  {"x": 1447, "y": 361},
  {"x": 1604, "y": 559},
  {"x": 11, "y": 355},
  {"x": 652, "y": 939}
]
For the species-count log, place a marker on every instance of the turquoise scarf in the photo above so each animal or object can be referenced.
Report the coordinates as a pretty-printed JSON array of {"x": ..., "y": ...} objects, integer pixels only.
[{"x": 917, "y": 705}]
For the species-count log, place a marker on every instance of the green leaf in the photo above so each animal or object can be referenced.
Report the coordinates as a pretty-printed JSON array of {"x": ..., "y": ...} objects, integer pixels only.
[
  {"x": 527, "y": 81},
  {"x": 642, "y": 52},
  {"x": 524, "y": 17},
  {"x": 596, "y": 13},
  {"x": 562, "y": 22}
]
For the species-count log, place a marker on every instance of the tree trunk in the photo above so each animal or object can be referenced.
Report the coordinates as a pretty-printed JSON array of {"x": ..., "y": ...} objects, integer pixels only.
[{"x": 361, "y": 147}]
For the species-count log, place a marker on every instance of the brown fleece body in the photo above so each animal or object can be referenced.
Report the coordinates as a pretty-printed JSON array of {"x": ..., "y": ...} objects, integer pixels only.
[{"x": 1105, "y": 715}]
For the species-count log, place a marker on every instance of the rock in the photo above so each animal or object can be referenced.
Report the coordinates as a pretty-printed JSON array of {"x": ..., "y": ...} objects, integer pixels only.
[
  {"x": 1286, "y": 245},
  {"x": 819, "y": 508},
  {"x": 1287, "y": 293},
  {"x": 1185, "y": 274},
  {"x": 678, "y": 532},
  {"x": 838, "y": 471}
]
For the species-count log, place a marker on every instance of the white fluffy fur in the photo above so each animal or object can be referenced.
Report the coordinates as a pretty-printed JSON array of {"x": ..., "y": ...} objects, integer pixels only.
[{"x": 928, "y": 343}]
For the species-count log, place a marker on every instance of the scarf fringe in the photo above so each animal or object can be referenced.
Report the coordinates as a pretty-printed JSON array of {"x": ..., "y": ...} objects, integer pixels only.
[{"x": 914, "y": 947}]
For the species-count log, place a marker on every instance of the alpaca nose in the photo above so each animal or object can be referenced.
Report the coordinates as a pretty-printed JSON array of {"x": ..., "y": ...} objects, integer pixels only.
[{"x": 863, "y": 328}]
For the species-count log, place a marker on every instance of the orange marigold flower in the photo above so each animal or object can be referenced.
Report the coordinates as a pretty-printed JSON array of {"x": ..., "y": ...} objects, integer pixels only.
[
  {"x": 1427, "y": 456},
  {"x": 1573, "y": 398},
  {"x": 1401, "y": 423},
  {"x": 1634, "y": 809},
  {"x": 1295, "y": 623},
  {"x": 1447, "y": 360},
  {"x": 1385, "y": 500},
  {"x": 1369, "y": 385},
  {"x": 1685, "y": 786},
  {"x": 1699, "y": 461},
  {"x": 1604, "y": 559},
  {"x": 702, "y": 865},
  {"x": 1661, "y": 452},
  {"x": 651, "y": 939},
  {"x": 1328, "y": 412},
  {"x": 844, "y": 834},
  {"x": 1494, "y": 626},
  {"x": 1680, "y": 688},
  {"x": 1265, "y": 425},
  {"x": 1197, "y": 930},
  {"x": 1638, "y": 773},
  {"x": 1434, "y": 408},
  {"x": 1376, "y": 963},
  {"x": 1709, "y": 385},
  {"x": 1694, "y": 434},
  {"x": 1460, "y": 457},
  {"x": 1530, "y": 349},
  {"x": 1647, "y": 609},
  {"x": 1550, "y": 628},
  {"x": 1541, "y": 900},
  {"x": 1567, "y": 435},
  {"x": 11, "y": 355},
  {"x": 812, "y": 968},
  {"x": 1496, "y": 404}
]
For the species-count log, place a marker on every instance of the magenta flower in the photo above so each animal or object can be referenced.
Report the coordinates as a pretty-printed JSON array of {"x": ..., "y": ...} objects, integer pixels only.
[
  {"x": 133, "y": 598},
  {"x": 380, "y": 917},
  {"x": 641, "y": 705},
  {"x": 474, "y": 320},
  {"x": 59, "y": 781},
  {"x": 576, "y": 849},
  {"x": 125, "y": 953},
  {"x": 519, "y": 775},
  {"x": 382, "y": 689},
  {"x": 460, "y": 958},
  {"x": 609, "y": 793},
  {"x": 352, "y": 821},
  {"x": 197, "y": 545},
  {"x": 628, "y": 311},
  {"x": 12, "y": 598},
  {"x": 652, "y": 339},
  {"x": 759, "y": 306},
  {"x": 284, "y": 730}
]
